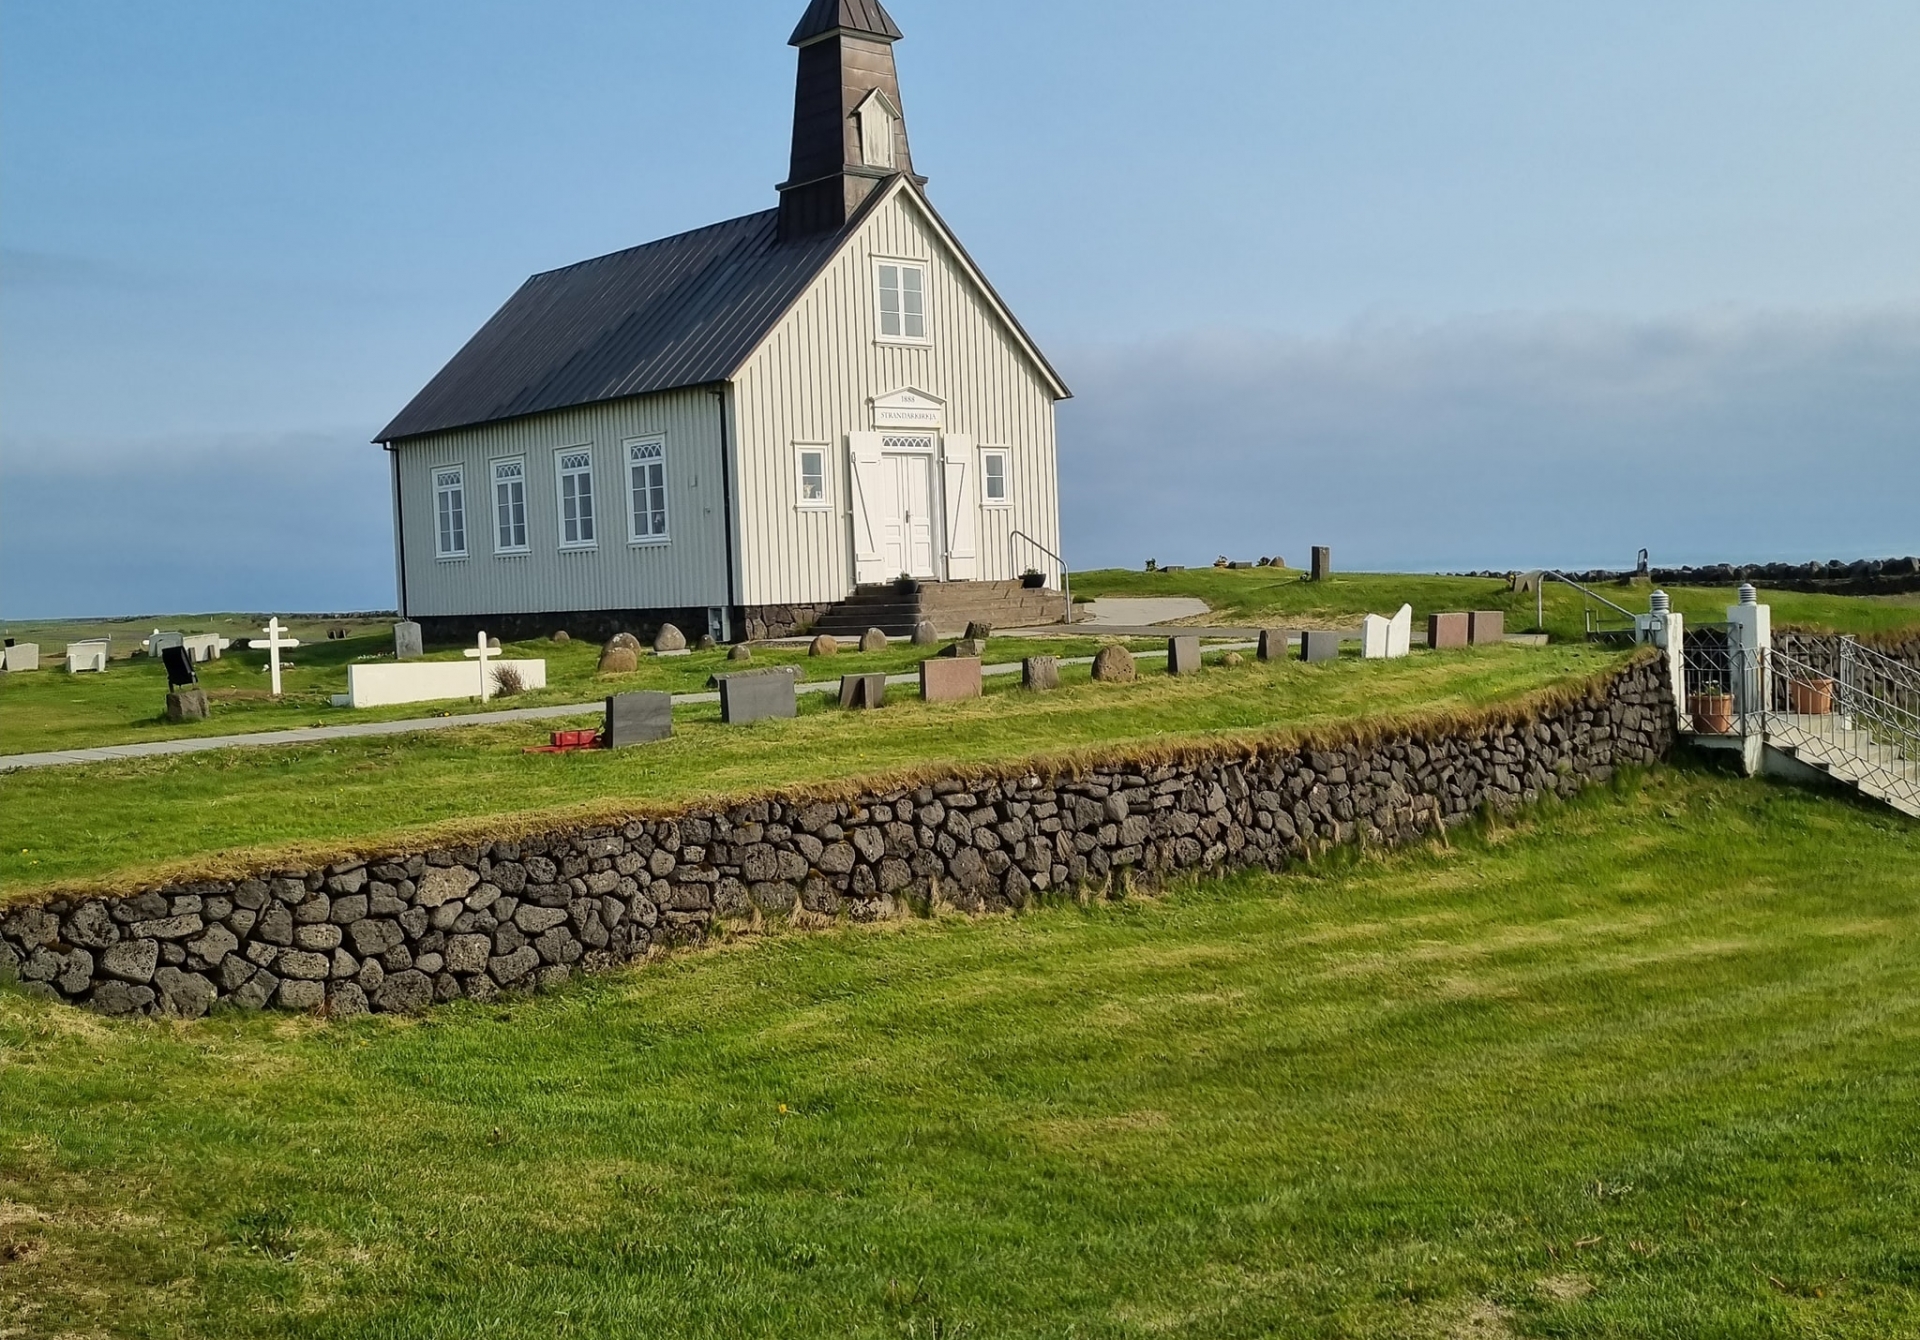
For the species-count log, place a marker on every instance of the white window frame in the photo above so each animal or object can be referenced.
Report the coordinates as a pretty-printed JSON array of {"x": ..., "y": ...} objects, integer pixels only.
[
  {"x": 561, "y": 473},
  {"x": 802, "y": 450},
  {"x": 630, "y": 452},
  {"x": 441, "y": 488},
  {"x": 499, "y": 532},
  {"x": 880, "y": 265},
  {"x": 1005, "y": 456}
]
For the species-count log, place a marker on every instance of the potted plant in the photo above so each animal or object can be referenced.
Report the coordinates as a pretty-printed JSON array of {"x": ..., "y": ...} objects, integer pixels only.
[
  {"x": 1810, "y": 697},
  {"x": 1712, "y": 712},
  {"x": 905, "y": 584},
  {"x": 1033, "y": 579}
]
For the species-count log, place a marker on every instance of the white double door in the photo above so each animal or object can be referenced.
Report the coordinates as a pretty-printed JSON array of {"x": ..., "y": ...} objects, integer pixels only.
[{"x": 909, "y": 519}]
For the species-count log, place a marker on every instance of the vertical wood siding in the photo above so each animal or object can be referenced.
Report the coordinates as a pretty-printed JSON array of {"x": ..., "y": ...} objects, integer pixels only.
[
  {"x": 812, "y": 379},
  {"x": 688, "y": 571}
]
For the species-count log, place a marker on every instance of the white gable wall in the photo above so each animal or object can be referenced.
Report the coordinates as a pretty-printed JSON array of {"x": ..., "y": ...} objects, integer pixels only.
[
  {"x": 813, "y": 379},
  {"x": 687, "y": 572}
]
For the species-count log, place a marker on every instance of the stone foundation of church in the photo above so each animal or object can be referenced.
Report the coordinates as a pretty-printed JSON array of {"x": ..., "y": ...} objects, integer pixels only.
[
  {"x": 580, "y": 625},
  {"x": 760, "y": 622}
]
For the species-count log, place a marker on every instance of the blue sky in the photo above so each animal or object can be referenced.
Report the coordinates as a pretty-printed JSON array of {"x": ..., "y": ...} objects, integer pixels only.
[{"x": 1464, "y": 285}]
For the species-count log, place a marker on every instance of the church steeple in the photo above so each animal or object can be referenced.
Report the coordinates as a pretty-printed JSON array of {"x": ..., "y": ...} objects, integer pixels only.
[{"x": 849, "y": 133}]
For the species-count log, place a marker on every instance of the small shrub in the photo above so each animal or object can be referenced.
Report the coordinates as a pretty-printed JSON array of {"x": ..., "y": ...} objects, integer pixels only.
[{"x": 507, "y": 681}]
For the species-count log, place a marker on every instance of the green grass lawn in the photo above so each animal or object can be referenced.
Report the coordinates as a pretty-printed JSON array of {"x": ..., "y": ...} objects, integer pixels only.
[
  {"x": 123, "y": 819},
  {"x": 1643, "y": 1066},
  {"x": 55, "y": 710},
  {"x": 1259, "y": 597}
]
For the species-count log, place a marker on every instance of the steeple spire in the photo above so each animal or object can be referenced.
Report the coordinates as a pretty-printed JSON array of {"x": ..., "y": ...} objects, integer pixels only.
[{"x": 849, "y": 133}]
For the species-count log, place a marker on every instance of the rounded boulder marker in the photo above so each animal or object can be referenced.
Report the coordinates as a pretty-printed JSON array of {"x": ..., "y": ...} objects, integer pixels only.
[
  {"x": 824, "y": 645},
  {"x": 619, "y": 661},
  {"x": 1114, "y": 665},
  {"x": 561, "y": 638},
  {"x": 873, "y": 640},
  {"x": 740, "y": 652},
  {"x": 924, "y": 634},
  {"x": 669, "y": 639}
]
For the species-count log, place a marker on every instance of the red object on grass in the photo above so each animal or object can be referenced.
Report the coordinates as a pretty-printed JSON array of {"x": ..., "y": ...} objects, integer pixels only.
[{"x": 567, "y": 742}]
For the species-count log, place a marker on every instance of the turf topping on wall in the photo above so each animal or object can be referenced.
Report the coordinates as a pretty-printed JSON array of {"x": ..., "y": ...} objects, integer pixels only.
[{"x": 402, "y": 931}]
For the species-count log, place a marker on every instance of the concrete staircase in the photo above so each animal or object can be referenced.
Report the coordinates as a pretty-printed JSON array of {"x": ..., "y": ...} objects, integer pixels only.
[
  {"x": 1850, "y": 756},
  {"x": 949, "y": 606}
]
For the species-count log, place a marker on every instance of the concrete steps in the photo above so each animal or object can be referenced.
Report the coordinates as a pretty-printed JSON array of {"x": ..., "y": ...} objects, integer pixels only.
[
  {"x": 950, "y": 606},
  {"x": 1850, "y": 756}
]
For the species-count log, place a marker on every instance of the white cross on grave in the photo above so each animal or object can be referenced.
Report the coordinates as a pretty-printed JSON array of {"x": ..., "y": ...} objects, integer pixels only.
[
  {"x": 483, "y": 653},
  {"x": 274, "y": 643}
]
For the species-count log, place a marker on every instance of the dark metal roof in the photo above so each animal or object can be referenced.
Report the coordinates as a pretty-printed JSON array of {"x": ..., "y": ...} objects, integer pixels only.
[
  {"x": 860, "y": 16},
  {"x": 683, "y": 311}
]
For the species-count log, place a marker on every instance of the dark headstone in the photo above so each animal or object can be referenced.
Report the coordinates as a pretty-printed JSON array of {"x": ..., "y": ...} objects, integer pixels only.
[
  {"x": 188, "y": 705},
  {"x": 638, "y": 718},
  {"x": 949, "y": 679},
  {"x": 1322, "y": 563},
  {"x": 1275, "y": 643},
  {"x": 1486, "y": 628},
  {"x": 1319, "y": 646},
  {"x": 755, "y": 696},
  {"x": 863, "y": 691},
  {"x": 1446, "y": 632},
  {"x": 407, "y": 645},
  {"x": 966, "y": 646},
  {"x": 1183, "y": 655},
  {"x": 1040, "y": 673},
  {"x": 180, "y": 672}
]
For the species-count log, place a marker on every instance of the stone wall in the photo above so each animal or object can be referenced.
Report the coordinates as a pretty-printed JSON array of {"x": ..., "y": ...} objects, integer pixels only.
[
  {"x": 1823, "y": 652},
  {"x": 400, "y": 931}
]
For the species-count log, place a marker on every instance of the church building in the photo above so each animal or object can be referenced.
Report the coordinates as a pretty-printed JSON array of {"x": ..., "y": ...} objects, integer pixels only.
[{"x": 821, "y": 415}]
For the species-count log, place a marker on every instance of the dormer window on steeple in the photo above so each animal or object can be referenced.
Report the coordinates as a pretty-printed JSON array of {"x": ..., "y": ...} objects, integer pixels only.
[{"x": 876, "y": 116}]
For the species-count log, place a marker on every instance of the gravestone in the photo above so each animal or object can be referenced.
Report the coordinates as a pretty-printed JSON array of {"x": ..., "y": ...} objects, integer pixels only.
[
  {"x": 824, "y": 645},
  {"x": 873, "y": 640},
  {"x": 1040, "y": 673},
  {"x": 22, "y": 656},
  {"x": 977, "y": 631},
  {"x": 1447, "y": 632},
  {"x": 1183, "y": 655},
  {"x": 204, "y": 647},
  {"x": 966, "y": 646},
  {"x": 924, "y": 634},
  {"x": 1322, "y": 563},
  {"x": 88, "y": 656},
  {"x": 1374, "y": 631},
  {"x": 757, "y": 695},
  {"x": 740, "y": 651},
  {"x": 187, "y": 704},
  {"x": 160, "y": 641},
  {"x": 638, "y": 718},
  {"x": 946, "y": 680},
  {"x": 1316, "y": 646},
  {"x": 1400, "y": 633},
  {"x": 621, "y": 655},
  {"x": 1114, "y": 665},
  {"x": 1275, "y": 643},
  {"x": 407, "y": 643},
  {"x": 669, "y": 640},
  {"x": 180, "y": 672},
  {"x": 1486, "y": 628},
  {"x": 863, "y": 691}
]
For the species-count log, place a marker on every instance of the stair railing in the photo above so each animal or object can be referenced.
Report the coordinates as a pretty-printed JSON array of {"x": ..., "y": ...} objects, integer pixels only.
[
  {"x": 1013, "y": 562},
  {"x": 1540, "y": 603},
  {"x": 1862, "y": 724}
]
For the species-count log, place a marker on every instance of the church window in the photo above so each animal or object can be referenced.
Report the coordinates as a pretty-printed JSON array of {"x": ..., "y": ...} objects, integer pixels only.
[
  {"x": 993, "y": 478},
  {"x": 903, "y": 302},
  {"x": 647, "y": 481},
  {"x": 510, "y": 506},
  {"x": 450, "y": 512},
  {"x": 813, "y": 476},
  {"x": 576, "y": 498}
]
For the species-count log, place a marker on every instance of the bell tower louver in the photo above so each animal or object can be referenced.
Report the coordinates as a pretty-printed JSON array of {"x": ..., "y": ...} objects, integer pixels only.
[{"x": 849, "y": 133}]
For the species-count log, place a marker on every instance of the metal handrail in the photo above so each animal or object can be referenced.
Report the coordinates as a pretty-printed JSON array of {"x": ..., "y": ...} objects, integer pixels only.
[
  {"x": 1828, "y": 719},
  {"x": 1540, "y": 598},
  {"x": 1066, "y": 577}
]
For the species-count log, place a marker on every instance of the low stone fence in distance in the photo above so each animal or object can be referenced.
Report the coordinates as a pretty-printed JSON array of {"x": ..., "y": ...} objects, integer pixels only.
[{"x": 401, "y": 931}]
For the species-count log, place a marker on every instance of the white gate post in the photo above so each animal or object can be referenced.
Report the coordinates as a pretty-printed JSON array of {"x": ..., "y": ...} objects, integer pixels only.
[
  {"x": 1666, "y": 628},
  {"x": 1750, "y": 647}
]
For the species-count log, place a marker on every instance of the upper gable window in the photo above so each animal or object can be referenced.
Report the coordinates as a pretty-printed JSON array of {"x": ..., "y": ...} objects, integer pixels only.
[
  {"x": 875, "y": 118},
  {"x": 903, "y": 302}
]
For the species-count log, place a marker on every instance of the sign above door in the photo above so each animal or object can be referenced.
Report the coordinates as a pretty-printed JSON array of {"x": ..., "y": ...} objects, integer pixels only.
[{"x": 909, "y": 408}]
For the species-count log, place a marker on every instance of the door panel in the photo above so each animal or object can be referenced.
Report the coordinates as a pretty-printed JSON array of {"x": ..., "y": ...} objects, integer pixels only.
[{"x": 919, "y": 500}]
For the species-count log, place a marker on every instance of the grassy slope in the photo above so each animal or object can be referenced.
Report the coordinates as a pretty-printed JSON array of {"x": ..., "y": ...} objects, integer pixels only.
[
  {"x": 1255, "y": 597},
  {"x": 1645, "y": 1067},
  {"x": 67, "y": 824},
  {"x": 55, "y": 710}
]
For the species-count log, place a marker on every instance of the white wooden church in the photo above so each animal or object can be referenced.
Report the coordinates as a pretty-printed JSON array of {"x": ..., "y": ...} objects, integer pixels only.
[{"x": 750, "y": 428}]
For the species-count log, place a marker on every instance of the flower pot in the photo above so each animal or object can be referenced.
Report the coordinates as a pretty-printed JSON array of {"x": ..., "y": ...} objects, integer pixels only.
[
  {"x": 1712, "y": 713},
  {"x": 1810, "y": 697},
  {"x": 1034, "y": 581}
]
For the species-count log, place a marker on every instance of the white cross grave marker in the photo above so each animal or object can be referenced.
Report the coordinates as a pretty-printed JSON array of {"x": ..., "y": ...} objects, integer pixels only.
[
  {"x": 273, "y": 644},
  {"x": 483, "y": 653}
]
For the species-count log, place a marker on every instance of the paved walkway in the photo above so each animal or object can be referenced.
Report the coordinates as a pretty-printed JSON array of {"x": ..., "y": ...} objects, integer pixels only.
[{"x": 370, "y": 729}]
